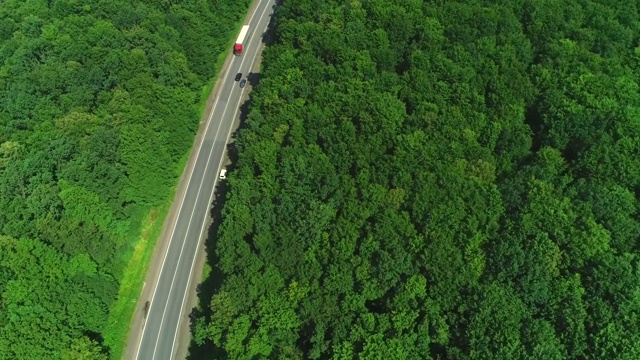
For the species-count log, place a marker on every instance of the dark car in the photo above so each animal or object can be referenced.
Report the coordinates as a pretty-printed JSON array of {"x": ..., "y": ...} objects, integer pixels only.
[
  {"x": 243, "y": 83},
  {"x": 238, "y": 76}
]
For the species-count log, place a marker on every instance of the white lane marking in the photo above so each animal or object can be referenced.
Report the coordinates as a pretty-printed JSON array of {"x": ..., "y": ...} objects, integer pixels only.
[
  {"x": 175, "y": 224},
  {"x": 155, "y": 349},
  {"x": 184, "y": 241},
  {"x": 204, "y": 222}
]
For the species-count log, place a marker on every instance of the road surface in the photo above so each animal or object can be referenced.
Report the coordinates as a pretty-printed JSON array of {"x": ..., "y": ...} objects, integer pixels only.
[{"x": 166, "y": 312}]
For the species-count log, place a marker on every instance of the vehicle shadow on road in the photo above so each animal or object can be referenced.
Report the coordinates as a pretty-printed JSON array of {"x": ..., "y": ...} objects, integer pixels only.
[{"x": 212, "y": 283}]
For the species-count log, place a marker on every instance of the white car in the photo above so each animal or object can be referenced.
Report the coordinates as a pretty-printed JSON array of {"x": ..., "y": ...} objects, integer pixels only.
[{"x": 223, "y": 174}]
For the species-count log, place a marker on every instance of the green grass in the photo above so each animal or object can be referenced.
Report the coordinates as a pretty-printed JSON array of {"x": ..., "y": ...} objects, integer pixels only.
[
  {"x": 143, "y": 244},
  {"x": 139, "y": 258}
]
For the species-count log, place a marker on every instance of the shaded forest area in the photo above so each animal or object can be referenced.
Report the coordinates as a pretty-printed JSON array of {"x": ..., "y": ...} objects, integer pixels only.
[
  {"x": 98, "y": 107},
  {"x": 436, "y": 180}
]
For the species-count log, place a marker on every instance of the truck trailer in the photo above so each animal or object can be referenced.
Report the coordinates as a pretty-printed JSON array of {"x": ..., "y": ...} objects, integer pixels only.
[{"x": 238, "y": 48}]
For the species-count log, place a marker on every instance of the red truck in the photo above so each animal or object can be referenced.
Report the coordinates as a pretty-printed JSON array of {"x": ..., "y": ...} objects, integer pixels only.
[{"x": 238, "y": 48}]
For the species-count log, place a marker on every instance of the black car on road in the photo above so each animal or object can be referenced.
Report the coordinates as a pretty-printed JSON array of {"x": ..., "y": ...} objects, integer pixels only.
[{"x": 238, "y": 76}]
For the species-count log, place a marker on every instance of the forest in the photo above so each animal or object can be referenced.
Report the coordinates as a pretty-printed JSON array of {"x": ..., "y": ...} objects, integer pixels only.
[
  {"x": 99, "y": 104},
  {"x": 435, "y": 180}
]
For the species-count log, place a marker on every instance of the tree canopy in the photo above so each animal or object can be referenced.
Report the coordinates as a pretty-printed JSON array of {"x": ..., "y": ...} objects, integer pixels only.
[
  {"x": 436, "y": 180},
  {"x": 98, "y": 105}
]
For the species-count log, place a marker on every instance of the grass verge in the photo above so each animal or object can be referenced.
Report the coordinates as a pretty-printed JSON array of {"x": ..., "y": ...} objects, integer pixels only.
[
  {"x": 122, "y": 310},
  {"x": 139, "y": 259}
]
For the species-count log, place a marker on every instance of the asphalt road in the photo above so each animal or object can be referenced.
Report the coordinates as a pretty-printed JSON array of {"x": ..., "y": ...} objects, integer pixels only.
[{"x": 166, "y": 312}]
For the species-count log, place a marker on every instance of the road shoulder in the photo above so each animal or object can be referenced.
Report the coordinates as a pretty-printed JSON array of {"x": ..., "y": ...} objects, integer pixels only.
[
  {"x": 162, "y": 243},
  {"x": 192, "y": 298}
]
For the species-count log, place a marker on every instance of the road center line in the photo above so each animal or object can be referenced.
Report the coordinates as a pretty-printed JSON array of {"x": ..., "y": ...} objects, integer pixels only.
[
  {"x": 177, "y": 218},
  {"x": 204, "y": 222},
  {"x": 194, "y": 209}
]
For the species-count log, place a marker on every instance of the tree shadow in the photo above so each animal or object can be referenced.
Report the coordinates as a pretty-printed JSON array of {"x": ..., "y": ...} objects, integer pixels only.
[
  {"x": 534, "y": 119},
  {"x": 253, "y": 79},
  {"x": 212, "y": 283},
  {"x": 97, "y": 337},
  {"x": 269, "y": 36}
]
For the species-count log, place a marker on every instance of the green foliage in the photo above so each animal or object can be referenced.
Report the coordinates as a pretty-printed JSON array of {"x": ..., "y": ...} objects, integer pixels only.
[
  {"x": 98, "y": 105},
  {"x": 436, "y": 180}
]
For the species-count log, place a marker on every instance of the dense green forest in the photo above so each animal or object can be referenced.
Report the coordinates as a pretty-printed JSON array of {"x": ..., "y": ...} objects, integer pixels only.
[
  {"x": 99, "y": 103},
  {"x": 436, "y": 180}
]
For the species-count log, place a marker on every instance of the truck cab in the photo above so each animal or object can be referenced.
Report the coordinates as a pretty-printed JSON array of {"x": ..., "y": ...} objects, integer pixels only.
[{"x": 238, "y": 48}]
